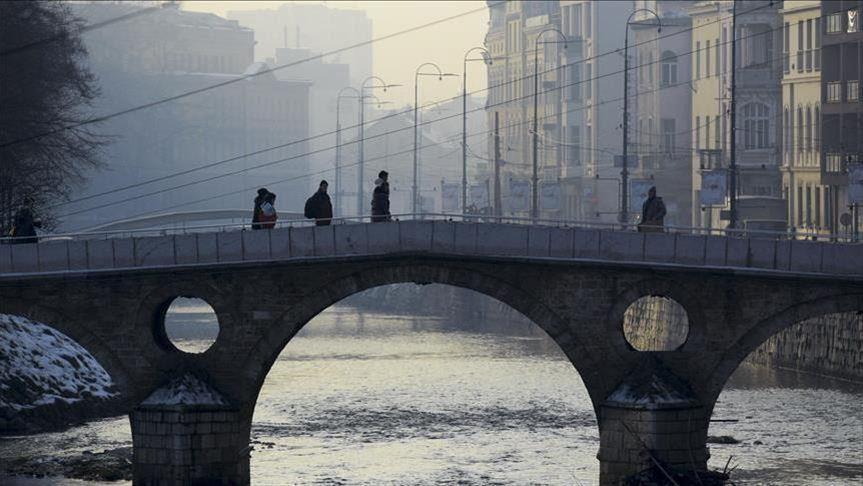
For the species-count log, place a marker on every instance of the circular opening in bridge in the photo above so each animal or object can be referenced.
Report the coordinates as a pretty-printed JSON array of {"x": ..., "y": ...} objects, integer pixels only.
[
  {"x": 655, "y": 323},
  {"x": 191, "y": 324}
]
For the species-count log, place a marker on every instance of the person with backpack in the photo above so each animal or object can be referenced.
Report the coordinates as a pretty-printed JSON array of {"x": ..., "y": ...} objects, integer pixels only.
[
  {"x": 319, "y": 207},
  {"x": 381, "y": 199}
]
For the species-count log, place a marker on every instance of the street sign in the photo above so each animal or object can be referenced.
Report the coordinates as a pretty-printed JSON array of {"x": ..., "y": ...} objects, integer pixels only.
[
  {"x": 477, "y": 196},
  {"x": 549, "y": 196},
  {"x": 450, "y": 196},
  {"x": 714, "y": 187},
  {"x": 519, "y": 195},
  {"x": 638, "y": 189},
  {"x": 855, "y": 184}
]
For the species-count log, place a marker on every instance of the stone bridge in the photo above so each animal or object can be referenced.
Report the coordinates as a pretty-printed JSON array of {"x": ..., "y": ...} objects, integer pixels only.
[{"x": 111, "y": 295}]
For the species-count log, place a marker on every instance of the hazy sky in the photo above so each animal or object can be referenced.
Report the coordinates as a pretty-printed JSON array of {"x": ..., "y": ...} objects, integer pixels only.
[{"x": 396, "y": 59}]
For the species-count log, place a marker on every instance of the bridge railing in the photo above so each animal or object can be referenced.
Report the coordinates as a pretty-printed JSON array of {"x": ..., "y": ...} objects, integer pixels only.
[
  {"x": 471, "y": 236},
  {"x": 566, "y": 223},
  {"x": 562, "y": 223}
]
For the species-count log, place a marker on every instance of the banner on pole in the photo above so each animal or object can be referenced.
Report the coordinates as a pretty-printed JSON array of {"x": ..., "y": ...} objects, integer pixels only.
[
  {"x": 638, "y": 189},
  {"x": 478, "y": 196},
  {"x": 450, "y": 196},
  {"x": 519, "y": 195},
  {"x": 549, "y": 196},
  {"x": 631, "y": 161},
  {"x": 855, "y": 184},
  {"x": 714, "y": 187}
]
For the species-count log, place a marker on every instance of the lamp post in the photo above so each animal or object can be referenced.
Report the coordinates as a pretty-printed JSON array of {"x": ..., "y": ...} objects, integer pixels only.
[
  {"x": 534, "y": 207},
  {"x": 360, "y": 155},
  {"x": 338, "y": 193},
  {"x": 486, "y": 58},
  {"x": 624, "y": 172},
  {"x": 440, "y": 75}
]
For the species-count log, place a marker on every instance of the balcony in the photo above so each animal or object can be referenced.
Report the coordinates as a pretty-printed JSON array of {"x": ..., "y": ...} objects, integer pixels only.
[{"x": 756, "y": 76}]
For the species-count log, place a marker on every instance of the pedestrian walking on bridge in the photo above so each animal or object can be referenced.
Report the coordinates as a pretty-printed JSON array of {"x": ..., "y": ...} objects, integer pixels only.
[
  {"x": 381, "y": 199},
  {"x": 652, "y": 213},
  {"x": 319, "y": 207}
]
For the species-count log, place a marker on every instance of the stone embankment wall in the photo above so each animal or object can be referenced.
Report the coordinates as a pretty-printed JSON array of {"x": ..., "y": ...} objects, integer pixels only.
[{"x": 830, "y": 345}]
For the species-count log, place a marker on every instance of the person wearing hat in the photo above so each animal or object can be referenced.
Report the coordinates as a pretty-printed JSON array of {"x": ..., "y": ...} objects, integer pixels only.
[{"x": 381, "y": 198}]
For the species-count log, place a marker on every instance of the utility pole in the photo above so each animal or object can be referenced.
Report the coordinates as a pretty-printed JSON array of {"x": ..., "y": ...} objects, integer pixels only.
[
  {"x": 498, "y": 210},
  {"x": 732, "y": 172},
  {"x": 360, "y": 155}
]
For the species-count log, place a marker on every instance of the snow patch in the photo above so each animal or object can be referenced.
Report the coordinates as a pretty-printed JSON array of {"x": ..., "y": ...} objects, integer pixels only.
[
  {"x": 185, "y": 390},
  {"x": 41, "y": 366}
]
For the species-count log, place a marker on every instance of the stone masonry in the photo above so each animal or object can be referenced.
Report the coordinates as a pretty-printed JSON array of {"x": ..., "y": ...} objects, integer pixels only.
[{"x": 576, "y": 285}]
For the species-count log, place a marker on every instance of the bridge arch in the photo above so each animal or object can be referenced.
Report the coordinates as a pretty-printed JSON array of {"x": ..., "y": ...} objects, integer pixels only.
[
  {"x": 286, "y": 326},
  {"x": 759, "y": 333},
  {"x": 80, "y": 333}
]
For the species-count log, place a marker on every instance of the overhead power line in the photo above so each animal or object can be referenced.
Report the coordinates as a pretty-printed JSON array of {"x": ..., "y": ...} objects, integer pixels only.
[{"x": 398, "y": 113}]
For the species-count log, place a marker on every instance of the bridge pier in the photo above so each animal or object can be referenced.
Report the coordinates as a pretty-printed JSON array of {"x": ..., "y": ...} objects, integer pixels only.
[
  {"x": 631, "y": 437},
  {"x": 180, "y": 445}
]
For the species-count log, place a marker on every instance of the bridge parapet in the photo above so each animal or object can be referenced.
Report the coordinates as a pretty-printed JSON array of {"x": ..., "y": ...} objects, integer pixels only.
[{"x": 494, "y": 240}]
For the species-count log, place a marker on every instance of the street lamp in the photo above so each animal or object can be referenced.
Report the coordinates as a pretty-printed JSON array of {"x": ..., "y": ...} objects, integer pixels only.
[
  {"x": 534, "y": 208},
  {"x": 623, "y": 217},
  {"x": 486, "y": 58},
  {"x": 360, "y": 152},
  {"x": 338, "y": 185},
  {"x": 440, "y": 75}
]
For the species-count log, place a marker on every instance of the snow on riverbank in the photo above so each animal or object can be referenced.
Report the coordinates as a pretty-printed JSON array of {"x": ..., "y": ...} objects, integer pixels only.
[
  {"x": 40, "y": 366},
  {"x": 185, "y": 390}
]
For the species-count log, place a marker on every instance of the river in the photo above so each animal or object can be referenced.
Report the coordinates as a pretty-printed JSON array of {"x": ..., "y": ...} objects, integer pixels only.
[{"x": 383, "y": 399}]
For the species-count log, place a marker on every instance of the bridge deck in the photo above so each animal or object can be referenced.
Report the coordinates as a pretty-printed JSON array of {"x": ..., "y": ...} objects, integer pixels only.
[{"x": 443, "y": 237}]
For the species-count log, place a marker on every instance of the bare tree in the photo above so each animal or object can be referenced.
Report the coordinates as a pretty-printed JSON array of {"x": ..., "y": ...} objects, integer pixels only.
[{"x": 46, "y": 89}]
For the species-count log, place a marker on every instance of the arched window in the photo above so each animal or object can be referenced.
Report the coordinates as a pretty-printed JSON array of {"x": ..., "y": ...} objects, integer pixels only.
[
  {"x": 669, "y": 68},
  {"x": 786, "y": 120},
  {"x": 799, "y": 128},
  {"x": 756, "y": 125},
  {"x": 808, "y": 129},
  {"x": 817, "y": 134}
]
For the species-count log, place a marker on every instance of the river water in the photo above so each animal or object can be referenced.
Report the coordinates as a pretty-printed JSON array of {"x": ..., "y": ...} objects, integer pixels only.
[{"x": 383, "y": 399}]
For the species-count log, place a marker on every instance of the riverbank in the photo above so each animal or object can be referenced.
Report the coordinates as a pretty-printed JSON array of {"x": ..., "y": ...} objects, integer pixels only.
[{"x": 48, "y": 381}]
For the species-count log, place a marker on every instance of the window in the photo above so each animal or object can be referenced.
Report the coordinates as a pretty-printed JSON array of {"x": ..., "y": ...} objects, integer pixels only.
[
  {"x": 756, "y": 125},
  {"x": 716, "y": 130},
  {"x": 799, "y": 128},
  {"x": 853, "y": 21},
  {"x": 724, "y": 50},
  {"x": 808, "y": 129},
  {"x": 698, "y": 60},
  {"x": 650, "y": 67},
  {"x": 817, "y": 207},
  {"x": 809, "y": 44},
  {"x": 834, "y": 23},
  {"x": 786, "y": 123},
  {"x": 587, "y": 20},
  {"x": 799, "y": 205},
  {"x": 834, "y": 92},
  {"x": 808, "y": 206},
  {"x": 816, "y": 42},
  {"x": 853, "y": 90},
  {"x": 833, "y": 162},
  {"x": 697, "y": 133},
  {"x": 669, "y": 68},
  {"x": 786, "y": 46},
  {"x": 707, "y": 60},
  {"x": 799, "y": 46},
  {"x": 817, "y": 130},
  {"x": 716, "y": 56},
  {"x": 668, "y": 135},
  {"x": 707, "y": 132}
]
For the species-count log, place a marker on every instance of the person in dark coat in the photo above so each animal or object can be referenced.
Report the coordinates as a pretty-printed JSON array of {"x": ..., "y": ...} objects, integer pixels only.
[
  {"x": 25, "y": 224},
  {"x": 381, "y": 199},
  {"x": 269, "y": 216},
  {"x": 319, "y": 207},
  {"x": 652, "y": 213}
]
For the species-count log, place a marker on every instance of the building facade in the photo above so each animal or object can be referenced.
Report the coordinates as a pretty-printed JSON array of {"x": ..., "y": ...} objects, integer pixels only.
[
  {"x": 758, "y": 71},
  {"x": 250, "y": 111},
  {"x": 805, "y": 196},
  {"x": 842, "y": 109},
  {"x": 661, "y": 108}
]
